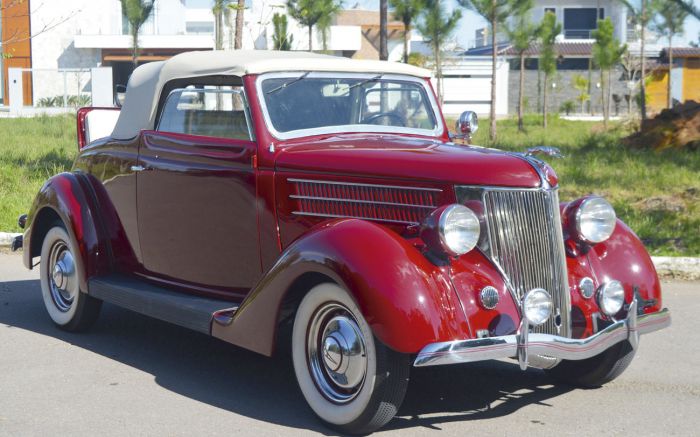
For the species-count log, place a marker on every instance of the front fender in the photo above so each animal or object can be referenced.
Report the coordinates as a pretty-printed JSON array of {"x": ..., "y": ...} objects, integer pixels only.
[
  {"x": 66, "y": 197},
  {"x": 407, "y": 301}
]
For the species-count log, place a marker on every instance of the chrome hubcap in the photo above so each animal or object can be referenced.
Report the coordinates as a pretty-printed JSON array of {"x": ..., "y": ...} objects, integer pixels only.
[
  {"x": 336, "y": 353},
  {"x": 62, "y": 277}
]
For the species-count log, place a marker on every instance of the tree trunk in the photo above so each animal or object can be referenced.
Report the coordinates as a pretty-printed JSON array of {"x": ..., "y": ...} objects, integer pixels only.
[
  {"x": 603, "y": 87},
  {"x": 643, "y": 88},
  {"x": 544, "y": 102},
  {"x": 494, "y": 52},
  {"x": 521, "y": 93},
  {"x": 238, "y": 42},
  {"x": 311, "y": 44},
  {"x": 670, "y": 71},
  {"x": 135, "y": 45},
  {"x": 406, "y": 40},
  {"x": 383, "y": 50},
  {"x": 219, "y": 30},
  {"x": 590, "y": 84}
]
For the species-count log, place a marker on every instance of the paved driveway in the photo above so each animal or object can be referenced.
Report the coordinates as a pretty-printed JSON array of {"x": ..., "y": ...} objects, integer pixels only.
[{"x": 135, "y": 376}]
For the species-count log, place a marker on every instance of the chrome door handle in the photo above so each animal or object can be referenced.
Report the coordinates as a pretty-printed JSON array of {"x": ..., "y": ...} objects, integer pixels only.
[{"x": 139, "y": 168}]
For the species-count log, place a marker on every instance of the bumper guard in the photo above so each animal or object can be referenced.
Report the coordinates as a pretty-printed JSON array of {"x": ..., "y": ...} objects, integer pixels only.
[{"x": 524, "y": 343}]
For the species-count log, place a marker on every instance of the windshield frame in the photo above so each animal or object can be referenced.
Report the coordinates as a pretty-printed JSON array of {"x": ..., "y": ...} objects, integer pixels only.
[{"x": 358, "y": 128}]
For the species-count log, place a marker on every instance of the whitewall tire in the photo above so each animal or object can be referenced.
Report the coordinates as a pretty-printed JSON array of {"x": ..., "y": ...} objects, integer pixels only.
[{"x": 352, "y": 381}]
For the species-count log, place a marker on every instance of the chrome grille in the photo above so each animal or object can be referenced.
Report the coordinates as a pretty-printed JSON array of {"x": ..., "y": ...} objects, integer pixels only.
[
  {"x": 385, "y": 203},
  {"x": 525, "y": 240}
]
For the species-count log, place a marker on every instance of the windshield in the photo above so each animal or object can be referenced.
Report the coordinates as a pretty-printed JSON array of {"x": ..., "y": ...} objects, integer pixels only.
[{"x": 298, "y": 104}]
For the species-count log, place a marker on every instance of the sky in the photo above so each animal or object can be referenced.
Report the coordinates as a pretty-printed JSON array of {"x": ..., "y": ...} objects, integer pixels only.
[{"x": 471, "y": 21}]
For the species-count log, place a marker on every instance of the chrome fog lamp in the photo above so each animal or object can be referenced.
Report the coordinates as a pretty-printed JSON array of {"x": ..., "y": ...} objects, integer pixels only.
[
  {"x": 537, "y": 306},
  {"x": 595, "y": 220},
  {"x": 611, "y": 297}
]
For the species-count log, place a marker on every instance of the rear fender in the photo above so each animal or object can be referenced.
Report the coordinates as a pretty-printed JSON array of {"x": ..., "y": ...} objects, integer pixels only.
[
  {"x": 407, "y": 301},
  {"x": 66, "y": 197}
]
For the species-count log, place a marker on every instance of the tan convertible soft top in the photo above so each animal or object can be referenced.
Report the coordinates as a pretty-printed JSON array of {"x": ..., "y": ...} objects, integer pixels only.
[{"x": 145, "y": 84}]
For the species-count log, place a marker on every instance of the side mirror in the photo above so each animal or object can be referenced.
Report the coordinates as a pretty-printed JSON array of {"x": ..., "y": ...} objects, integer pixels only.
[
  {"x": 119, "y": 95},
  {"x": 467, "y": 124}
]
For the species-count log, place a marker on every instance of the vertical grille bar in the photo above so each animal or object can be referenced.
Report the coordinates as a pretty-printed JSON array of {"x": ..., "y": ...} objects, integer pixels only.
[{"x": 526, "y": 241}]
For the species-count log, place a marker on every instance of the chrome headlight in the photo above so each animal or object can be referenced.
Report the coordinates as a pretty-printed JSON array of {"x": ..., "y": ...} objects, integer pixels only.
[
  {"x": 595, "y": 220},
  {"x": 611, "y": 297},
  {"x": 452, "y": 229},
  {"x": 537, "y": 306},
  {"x": 459, "y": 229}
]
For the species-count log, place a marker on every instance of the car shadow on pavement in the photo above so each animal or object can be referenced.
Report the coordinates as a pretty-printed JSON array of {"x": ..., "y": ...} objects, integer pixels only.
[{"x": 227, "y": 377}]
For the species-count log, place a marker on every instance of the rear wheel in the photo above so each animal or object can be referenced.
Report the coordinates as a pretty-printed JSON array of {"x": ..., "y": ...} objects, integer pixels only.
[
  {"x": 595, "y": 371},
  {"x": 67, "y": 305},
  {"x": 349, "y": 378}
]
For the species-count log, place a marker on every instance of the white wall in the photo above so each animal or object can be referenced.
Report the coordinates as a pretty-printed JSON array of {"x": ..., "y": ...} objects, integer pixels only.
[
  {"x": 613, "y": 9},
  {"x": 467, "y": 86}
]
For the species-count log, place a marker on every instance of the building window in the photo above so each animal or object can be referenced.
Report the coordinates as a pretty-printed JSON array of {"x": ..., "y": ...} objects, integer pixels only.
[
  {"x": 580, "y": 22},
  {"x": 198, "y": 27}
]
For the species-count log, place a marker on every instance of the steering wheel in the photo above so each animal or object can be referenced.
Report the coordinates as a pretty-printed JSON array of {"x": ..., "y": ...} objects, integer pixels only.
[{"x": 370, "y": 118}]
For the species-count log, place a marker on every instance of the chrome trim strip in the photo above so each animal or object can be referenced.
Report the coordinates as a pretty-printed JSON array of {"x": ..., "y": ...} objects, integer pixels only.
[
  {"x": 371, "y": 202},
  {"x": 355, "y": 184},
  {"x": 465, "y": 351},
  {"x": 312, "y": 214},
  {"x": 440, "y": 127}
]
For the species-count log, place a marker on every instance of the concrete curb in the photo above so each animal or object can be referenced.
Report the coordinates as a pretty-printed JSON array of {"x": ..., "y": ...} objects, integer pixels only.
[{"x": 668, "y": 267}]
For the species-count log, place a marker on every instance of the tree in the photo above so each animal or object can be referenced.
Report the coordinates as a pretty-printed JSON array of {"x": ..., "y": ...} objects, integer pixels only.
[
  {"x": 383, "y": 49},
  {"x": 309, "y": 13},
  {"x": 222, "y": 12},
  {"x": 549, "y": 29},
  {"x": 641, "y": 15},
  {"x": 522, "y": 32},
  {"x": 668, "y": 22},
  {"x": 280, "y": 39},
  {"x": 580, "y": 84},
  {"x": 495, "y": 12},
  {"x": 406, "y": 11},
  {"x": 688, "y": 6},
  {"x": 436, "y": 27},
  {"x": 329, "y": 9},
  {"x": 240, "y": 9},
  {"x": 136, "y": 12},
  {"x": 607, "y": 52}
]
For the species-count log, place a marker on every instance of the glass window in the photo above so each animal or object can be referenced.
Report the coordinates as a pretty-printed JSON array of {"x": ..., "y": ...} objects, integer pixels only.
[
  {"x": 349, "y": 104},
  {"x": 212, "y": 111},
  {"x": 198, "y": 27}
]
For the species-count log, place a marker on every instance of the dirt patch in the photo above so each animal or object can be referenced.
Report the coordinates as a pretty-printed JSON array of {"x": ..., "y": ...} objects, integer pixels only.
[
  {"x": 672, "y": 128},
  {"x": 661, "y": 203}
]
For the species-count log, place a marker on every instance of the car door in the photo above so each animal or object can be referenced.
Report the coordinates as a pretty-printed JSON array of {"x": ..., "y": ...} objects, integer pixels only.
[{"x": 196, "y": 191}]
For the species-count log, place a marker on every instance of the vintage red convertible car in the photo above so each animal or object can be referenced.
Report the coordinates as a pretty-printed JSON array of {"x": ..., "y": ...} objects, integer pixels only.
[{"x": 317, "y": 204}]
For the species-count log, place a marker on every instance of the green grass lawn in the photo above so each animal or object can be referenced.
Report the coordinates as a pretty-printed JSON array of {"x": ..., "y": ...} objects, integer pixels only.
[{"x": 657, "y": 194}]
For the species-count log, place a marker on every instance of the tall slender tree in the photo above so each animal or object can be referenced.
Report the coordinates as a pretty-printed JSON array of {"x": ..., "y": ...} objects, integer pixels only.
[
  {"x": 240, "y": 10},
  {"x": 406, "y": 11},
  {"x": 607, "y": 52},
  {"x": 222, "y": 12},
  {"x": 280, "y": 39},
  {"x": 136, "y": 13},
  {"x": 383, "y": 22},
  {"x": 495, "y": 12},
  {"x": 549, "y": 29},
  {"x": 669, "y": 20},
  {"x": 329, "y": 9},
  {"x": 310, "y": 13},
  {"x": 436, "y": 26},
  {"x": 522, "y": 32}
]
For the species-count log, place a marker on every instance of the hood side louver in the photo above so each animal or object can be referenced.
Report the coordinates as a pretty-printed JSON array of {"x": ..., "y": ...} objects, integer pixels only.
[{"x": 383, "y": 203}]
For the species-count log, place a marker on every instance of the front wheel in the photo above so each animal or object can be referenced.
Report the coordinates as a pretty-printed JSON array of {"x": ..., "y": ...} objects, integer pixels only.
[
  {"x": 597, "y": 370},
  {"x": 352, "y": 381},
  {"x": 69, "y": 308}
]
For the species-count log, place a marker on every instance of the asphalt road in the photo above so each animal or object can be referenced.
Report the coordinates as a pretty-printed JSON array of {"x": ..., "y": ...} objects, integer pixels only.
[{"x": 136, "y": 376}]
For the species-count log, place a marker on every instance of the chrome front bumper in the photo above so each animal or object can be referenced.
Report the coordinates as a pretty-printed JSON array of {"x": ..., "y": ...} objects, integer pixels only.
[{"x": 522, "y": 344}]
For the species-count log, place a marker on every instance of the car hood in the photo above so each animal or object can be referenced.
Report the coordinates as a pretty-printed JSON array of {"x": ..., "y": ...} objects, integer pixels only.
[{"x": 398, "y": 157}]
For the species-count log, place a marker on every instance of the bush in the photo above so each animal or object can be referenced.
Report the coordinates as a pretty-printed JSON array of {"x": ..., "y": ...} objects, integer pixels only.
[{"x": 73, "y": 101}]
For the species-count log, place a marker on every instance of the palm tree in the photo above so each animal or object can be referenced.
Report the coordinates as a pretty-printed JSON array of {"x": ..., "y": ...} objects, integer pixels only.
[
  {"x": 436, "y": 27},
  {"x": 669, "y": 22},
  {"x": 549, "y": 29},
  {"x": 406, "y": 11},
  {"x": 222, "y": 12},
  {"x": 280, "y": 39},
  {"x": 312, "y": 12},
  {"x": 607, "y": 52},
  {"x": 240, "y": 8},
  {"x": 136, "y": 12},
  {"x": 328, "y": 9},
  {"x": 689, "y": 7},
  {"x": 495, "y": 12},
  {"x": 642, "y": 15},
  {"x": 383, "y": 50},
  {"x": 522, "y": 33}
]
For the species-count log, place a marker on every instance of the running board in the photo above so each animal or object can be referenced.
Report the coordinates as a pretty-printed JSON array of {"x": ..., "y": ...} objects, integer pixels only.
[{"x": 186, "y": 310}]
